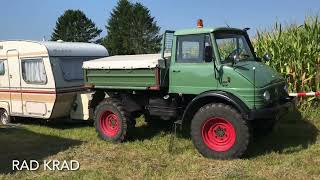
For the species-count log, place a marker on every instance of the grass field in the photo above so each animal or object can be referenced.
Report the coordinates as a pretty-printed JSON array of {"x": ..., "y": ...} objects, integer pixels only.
[{"x": 292, "y": 151}]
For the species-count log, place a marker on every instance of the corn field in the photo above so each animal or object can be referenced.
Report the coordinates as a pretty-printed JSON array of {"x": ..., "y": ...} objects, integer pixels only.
[{"x": 296, "y": 53}]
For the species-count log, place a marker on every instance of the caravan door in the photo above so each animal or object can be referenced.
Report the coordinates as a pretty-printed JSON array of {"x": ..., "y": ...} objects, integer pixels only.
[{"x": 14, "y": 82}]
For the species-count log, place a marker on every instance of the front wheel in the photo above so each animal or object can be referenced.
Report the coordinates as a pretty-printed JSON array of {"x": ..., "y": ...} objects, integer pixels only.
[{"x": 218, "y": 131}]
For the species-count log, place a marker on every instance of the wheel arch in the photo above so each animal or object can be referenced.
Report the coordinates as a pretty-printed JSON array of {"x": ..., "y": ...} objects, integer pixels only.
[
  {"x": 5, "y": 106},
  {"x": 213, "y": 97},
  {"x": 97, "y": 97}
]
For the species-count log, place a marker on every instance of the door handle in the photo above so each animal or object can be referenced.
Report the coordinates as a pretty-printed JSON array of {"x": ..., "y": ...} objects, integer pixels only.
[
  {"x": 10, "y": 76},
  {"x": 176, "y": 71}
]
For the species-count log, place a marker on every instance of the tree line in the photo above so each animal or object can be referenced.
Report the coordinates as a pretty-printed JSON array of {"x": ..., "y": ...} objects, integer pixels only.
[{"x": 130, "y": 29}]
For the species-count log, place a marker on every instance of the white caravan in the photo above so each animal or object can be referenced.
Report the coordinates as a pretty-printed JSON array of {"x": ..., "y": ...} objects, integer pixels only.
[{"x": 44, "y": 79}]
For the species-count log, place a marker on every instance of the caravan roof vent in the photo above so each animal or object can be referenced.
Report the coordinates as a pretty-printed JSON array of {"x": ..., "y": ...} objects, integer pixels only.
[{"x": 60, "y": 41}]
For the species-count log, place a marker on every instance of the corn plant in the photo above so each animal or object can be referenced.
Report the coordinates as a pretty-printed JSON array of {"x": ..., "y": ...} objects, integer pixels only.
[{"x": 296, "y": 53}]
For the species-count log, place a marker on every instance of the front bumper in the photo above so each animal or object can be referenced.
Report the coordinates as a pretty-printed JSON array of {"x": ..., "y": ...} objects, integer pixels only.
[{"x": 272, "y": 112}]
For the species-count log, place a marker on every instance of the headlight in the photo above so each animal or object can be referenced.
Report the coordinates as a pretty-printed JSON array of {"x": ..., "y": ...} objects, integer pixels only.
[
  {"x": 286, "y": 88},
  {"x": 266, "y": 96}
]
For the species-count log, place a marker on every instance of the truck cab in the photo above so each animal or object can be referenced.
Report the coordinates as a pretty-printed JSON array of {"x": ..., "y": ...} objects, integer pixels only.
[
  {"x": 223, "y": 60},
  {"x": 209, "y": 80}
]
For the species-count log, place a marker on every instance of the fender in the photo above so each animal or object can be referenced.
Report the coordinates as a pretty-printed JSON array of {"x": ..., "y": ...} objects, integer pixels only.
[{"x": 220, "y": 96}]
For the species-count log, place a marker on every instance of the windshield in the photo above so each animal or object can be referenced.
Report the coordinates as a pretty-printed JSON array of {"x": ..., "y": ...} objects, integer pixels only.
[{"x": 233, "y": 46}]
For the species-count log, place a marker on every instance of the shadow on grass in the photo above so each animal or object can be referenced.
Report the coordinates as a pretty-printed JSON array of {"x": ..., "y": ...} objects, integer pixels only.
[
  {"x": 22, "y": 144},
  {"x": 141, "y": 132},
  {"x": 148, "y": 131},
  {"x": 292, "y": 134},
  {"x": 55, "y": 123}
]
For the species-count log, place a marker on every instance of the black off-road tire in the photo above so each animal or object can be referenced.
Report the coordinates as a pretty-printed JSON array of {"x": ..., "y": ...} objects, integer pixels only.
[
  {"x": 5, "y": 118},
  {"x": 236, "y": 131},
  {"x": 122, "y": 118}
]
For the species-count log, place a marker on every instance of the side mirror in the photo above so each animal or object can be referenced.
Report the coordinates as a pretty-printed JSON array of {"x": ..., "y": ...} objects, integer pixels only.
[{"x": 267, "y": 57}]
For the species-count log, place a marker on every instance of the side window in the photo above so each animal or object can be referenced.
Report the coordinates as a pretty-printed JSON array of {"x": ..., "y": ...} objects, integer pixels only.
[
  {"x": 72, "y": 68},
  {"x": 2, "y": 69},
  {"x": 33, "y": 71},
  {"x": 194, "y": 49}
]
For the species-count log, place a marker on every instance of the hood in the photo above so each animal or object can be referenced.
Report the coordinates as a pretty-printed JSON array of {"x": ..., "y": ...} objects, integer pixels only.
[{"x": 265, "y": 75}]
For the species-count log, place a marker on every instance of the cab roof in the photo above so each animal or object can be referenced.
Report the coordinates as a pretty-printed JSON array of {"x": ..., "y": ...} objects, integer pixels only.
[{"x": 204, "y": 30}]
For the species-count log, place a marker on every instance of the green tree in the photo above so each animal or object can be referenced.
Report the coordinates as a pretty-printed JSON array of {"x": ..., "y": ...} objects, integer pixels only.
[
  {"x": 132, "y": 30},
  {"x": 74, "y": 26}
]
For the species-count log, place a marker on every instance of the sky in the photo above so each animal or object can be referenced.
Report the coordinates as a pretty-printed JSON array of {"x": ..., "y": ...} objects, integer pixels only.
[{"x": 36, "y": 19}]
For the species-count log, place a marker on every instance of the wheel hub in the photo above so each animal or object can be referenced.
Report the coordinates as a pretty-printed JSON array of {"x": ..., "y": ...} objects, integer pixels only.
[
  {"x": 218, "y": 134},
  {"x": 109, "y": 123}
]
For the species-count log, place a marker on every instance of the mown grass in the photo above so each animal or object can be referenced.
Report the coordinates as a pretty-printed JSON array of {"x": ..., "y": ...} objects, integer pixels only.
[{"x": 292, "y": 151}]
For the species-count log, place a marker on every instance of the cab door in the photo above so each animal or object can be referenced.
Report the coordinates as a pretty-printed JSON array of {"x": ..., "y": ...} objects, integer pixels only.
[
  {"x": 14, "y": 82},
  {"x": 192, "y": 68}
]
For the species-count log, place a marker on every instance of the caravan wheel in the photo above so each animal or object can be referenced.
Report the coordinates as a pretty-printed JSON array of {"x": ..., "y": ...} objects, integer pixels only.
[{"x": 4, "y": 117}]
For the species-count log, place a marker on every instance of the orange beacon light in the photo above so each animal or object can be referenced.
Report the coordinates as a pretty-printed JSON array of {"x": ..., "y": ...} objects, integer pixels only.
[{"x": 200, "y": 23}]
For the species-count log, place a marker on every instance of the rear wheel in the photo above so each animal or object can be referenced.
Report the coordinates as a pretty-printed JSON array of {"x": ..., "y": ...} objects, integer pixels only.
[
  {"x": 218, "y": 131},
  {"x": 112, "y": 122},
  {"x": 4, "y": 117}
]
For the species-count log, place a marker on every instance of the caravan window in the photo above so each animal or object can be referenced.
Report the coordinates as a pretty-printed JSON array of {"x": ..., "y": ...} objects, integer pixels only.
[
  {"x": 2, "y": 70},
  {"x": 33, "y": 71},
  {"x": 72, "y": 67}
]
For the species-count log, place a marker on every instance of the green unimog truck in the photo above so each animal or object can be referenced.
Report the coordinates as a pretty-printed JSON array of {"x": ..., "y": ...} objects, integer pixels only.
[{"x": 207, "y": 79}]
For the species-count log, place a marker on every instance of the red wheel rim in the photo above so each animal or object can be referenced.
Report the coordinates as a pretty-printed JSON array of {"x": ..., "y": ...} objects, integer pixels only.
[
  {"x": 218, "y": 134},
  {"x": 109, "y": 123}
]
